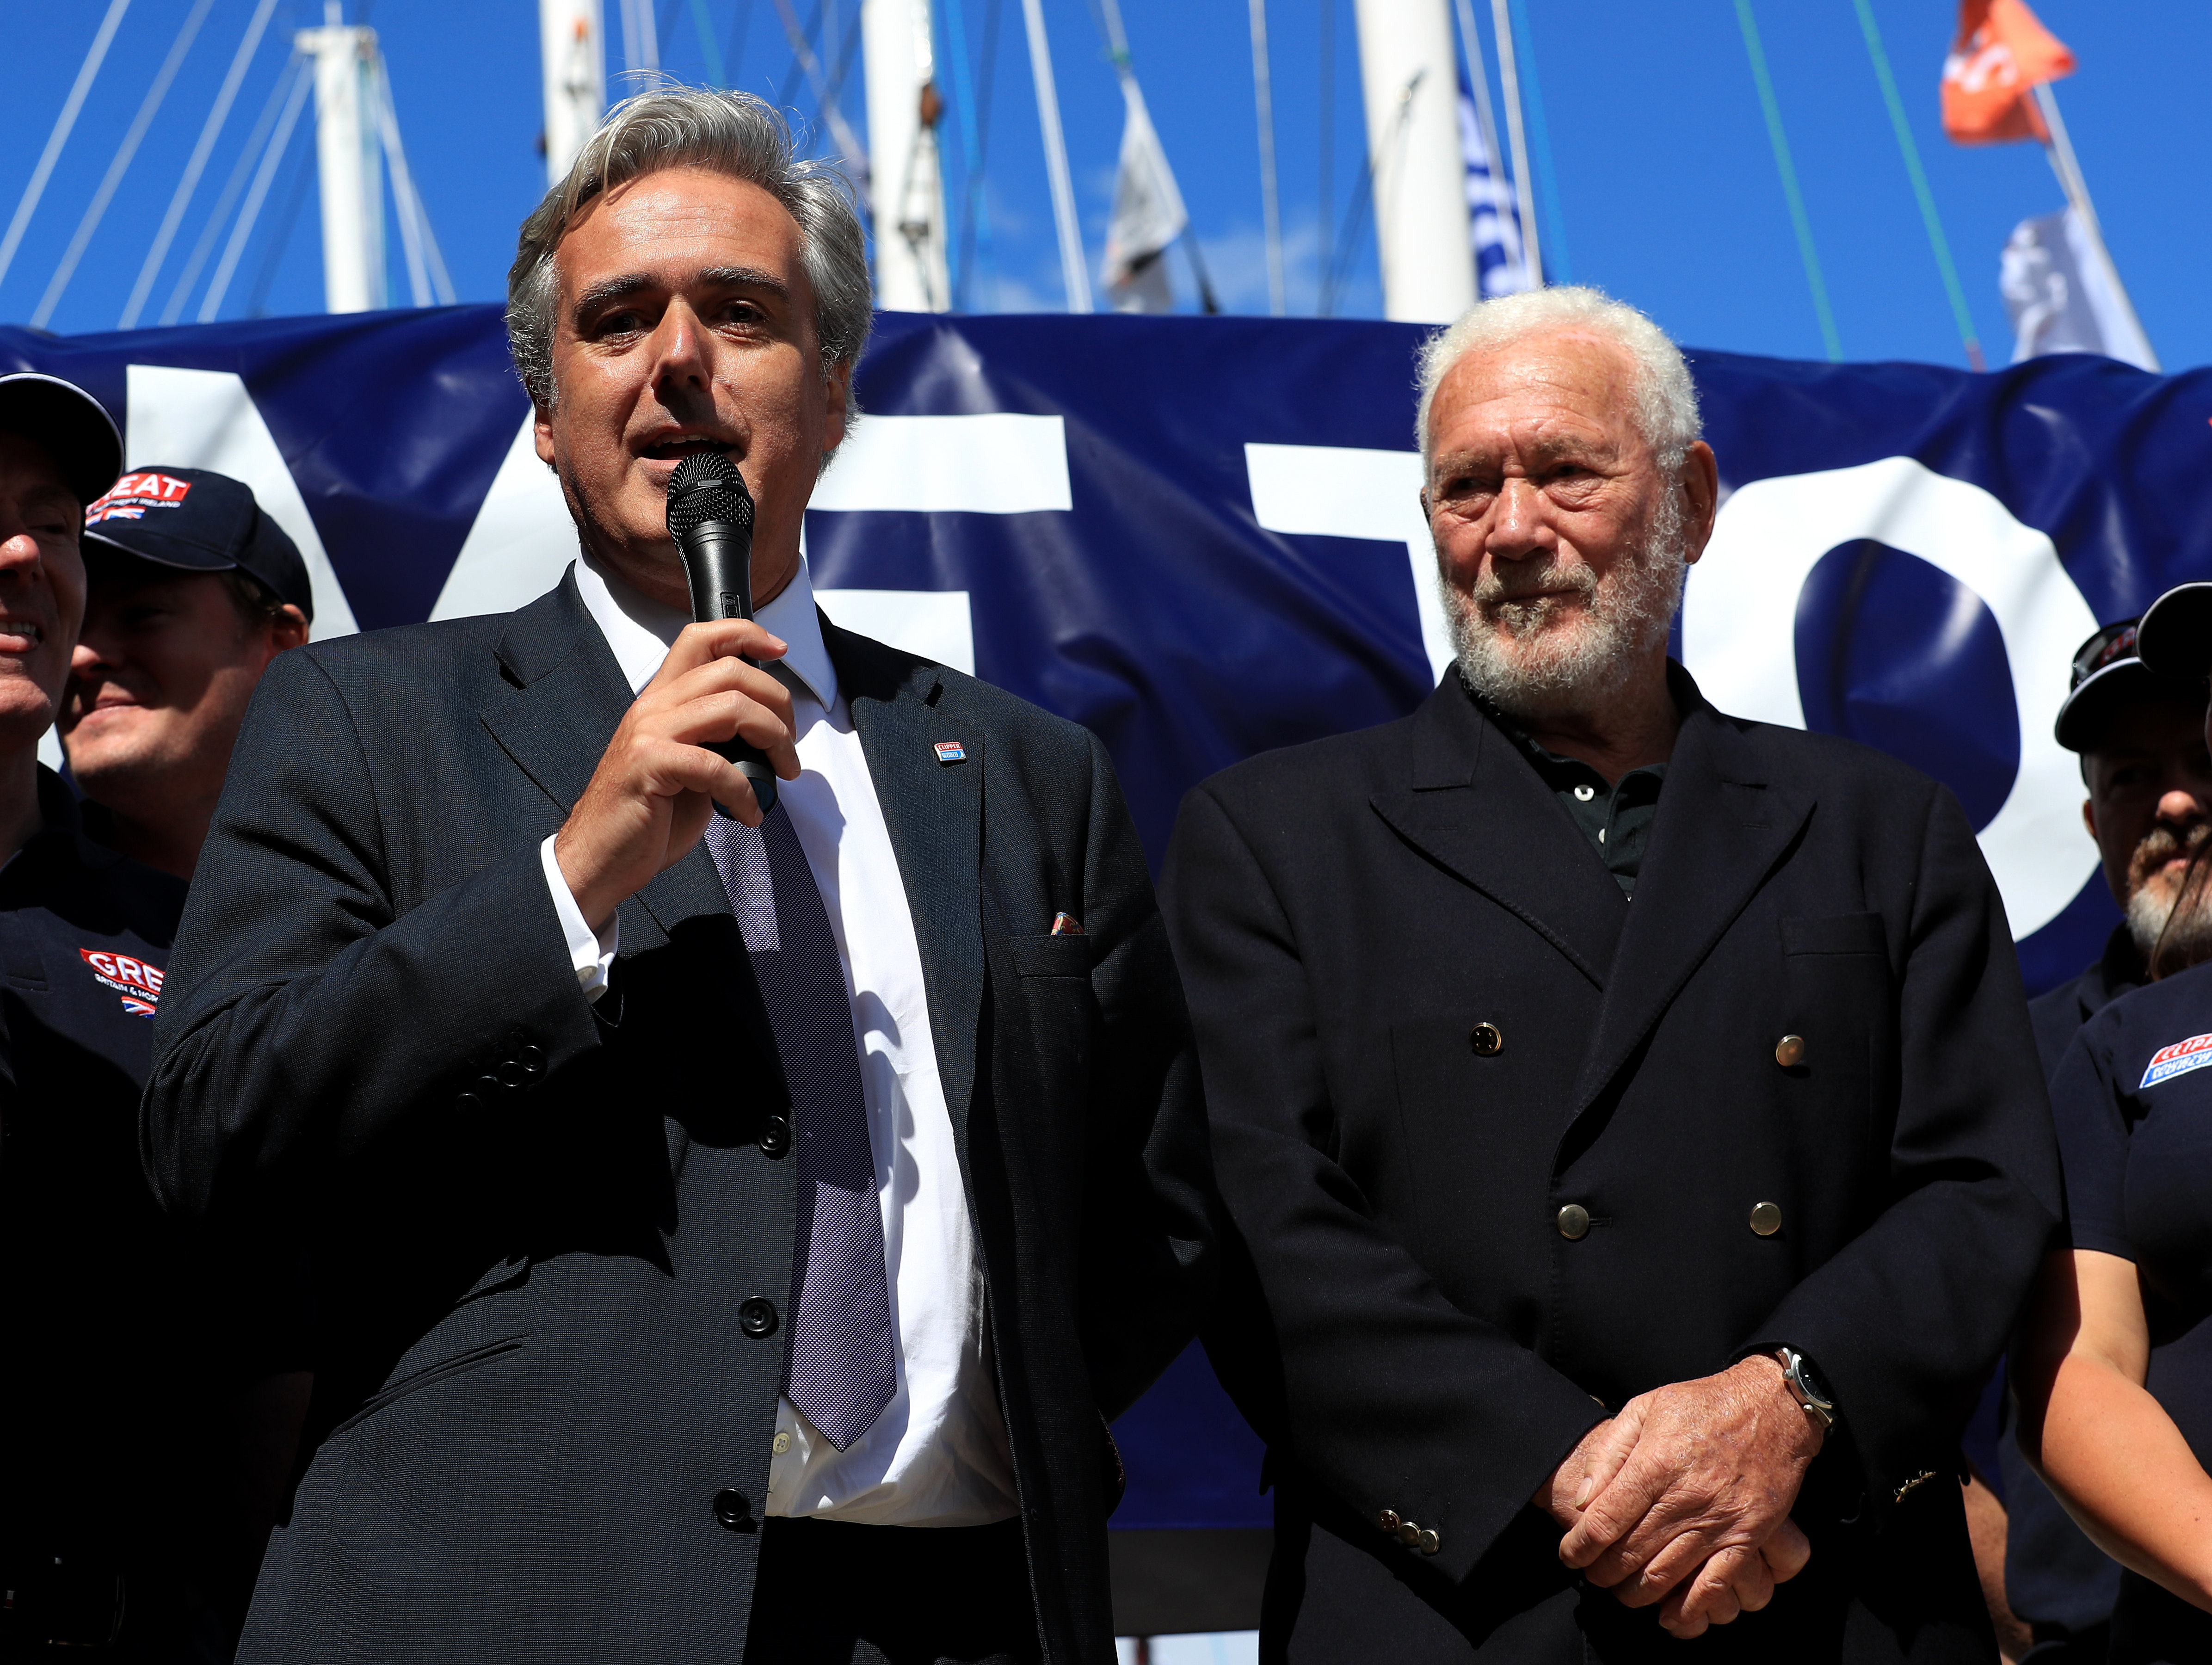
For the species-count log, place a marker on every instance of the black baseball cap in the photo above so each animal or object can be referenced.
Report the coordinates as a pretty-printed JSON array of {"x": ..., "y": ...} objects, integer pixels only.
[
  {"x": 2175, "y": 638},
  {"x": 201, "y": 521},
  {"x": 2109, "y": 672},
  {"x": 71, "y": 425}
]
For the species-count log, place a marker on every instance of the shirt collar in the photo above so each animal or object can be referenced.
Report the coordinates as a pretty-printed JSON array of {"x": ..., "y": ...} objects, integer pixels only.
[{"x": 640, "y": 630}]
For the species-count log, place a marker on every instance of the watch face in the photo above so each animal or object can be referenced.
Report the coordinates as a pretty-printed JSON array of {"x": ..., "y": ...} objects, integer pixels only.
[{"x": 1811, "y": 1378}]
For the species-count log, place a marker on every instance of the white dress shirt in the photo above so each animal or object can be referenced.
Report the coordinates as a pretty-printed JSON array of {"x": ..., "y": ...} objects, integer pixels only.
[{"x": 939, "y": 1454}]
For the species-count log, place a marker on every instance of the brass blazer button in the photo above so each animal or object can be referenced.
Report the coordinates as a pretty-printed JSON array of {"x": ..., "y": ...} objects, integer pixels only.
[
  {"x": 1790, "y": 1051},
  {"x": 1485, "y": 1040},
  {"x": 1430, "y": 1542},
  {"x": 1574, "y": 1222},
  {"x": 1387, "y": 1520},
  {"x": 1409, "y": 1534},
  {"x": 1766, "y": 1218}
]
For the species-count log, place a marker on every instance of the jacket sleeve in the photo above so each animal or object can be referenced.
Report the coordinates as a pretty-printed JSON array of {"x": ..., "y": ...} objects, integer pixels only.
[
  {"x": 1907, "y": 1322},
  {"x": 1150, "y": 1243},
  {"x": 304, "y": 1015},
  {"x": 1335, "y": 1342}
]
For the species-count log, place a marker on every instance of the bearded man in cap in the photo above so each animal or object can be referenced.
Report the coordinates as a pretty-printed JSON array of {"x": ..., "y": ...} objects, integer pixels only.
[
  {"x": 193, "y": 590},
  {"x": 1627, "y": 1112}
]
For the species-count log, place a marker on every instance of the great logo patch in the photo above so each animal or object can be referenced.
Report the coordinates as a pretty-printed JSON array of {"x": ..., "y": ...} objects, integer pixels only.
[
  {"x": 2179, "y": 1059},
  {"x": 130, "y": 497},
  {"x": 137, "y": 983}
]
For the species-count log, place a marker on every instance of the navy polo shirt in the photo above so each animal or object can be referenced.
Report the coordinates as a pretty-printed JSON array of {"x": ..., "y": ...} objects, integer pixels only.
[
  {"x": 2133, "y": 1101},
  {"x": 102, "y": 1380}
]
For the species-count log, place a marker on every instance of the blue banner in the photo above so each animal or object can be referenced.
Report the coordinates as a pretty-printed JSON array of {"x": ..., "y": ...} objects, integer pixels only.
[{"x": 1199, "y": 536}]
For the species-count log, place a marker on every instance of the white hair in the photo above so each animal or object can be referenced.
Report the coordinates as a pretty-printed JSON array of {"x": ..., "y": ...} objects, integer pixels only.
[{"x": 1666, "y": 398}]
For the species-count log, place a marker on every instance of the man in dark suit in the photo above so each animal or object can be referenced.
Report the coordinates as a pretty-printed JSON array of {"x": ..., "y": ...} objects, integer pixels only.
[
  {"x": 1628, "y": 1113},
  {"x": 725, "y": 1247}
]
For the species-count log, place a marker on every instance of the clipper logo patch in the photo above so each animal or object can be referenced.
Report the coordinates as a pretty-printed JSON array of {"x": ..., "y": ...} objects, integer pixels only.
[
  {"x": 136, "y": 983},
  {"x": 951, "y": 751},
  {"x": 130, "y": 497},
  {"x": 2179, "y": 1059}
]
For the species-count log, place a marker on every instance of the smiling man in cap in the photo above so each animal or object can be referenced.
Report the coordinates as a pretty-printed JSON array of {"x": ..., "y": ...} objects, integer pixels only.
[{"x": 193, "y": 590}]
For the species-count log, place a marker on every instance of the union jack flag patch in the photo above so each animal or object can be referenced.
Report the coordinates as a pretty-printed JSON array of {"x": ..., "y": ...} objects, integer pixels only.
[{"x": 2179, "y": 1059}]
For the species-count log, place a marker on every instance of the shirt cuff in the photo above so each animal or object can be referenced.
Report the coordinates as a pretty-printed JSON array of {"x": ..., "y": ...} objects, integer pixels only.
[{"x": 591, "y": 953}]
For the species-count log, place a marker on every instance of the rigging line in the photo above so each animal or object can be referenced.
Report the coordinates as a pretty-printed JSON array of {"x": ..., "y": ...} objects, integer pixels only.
[
  {"x": 1926, "y": 198},
  {"x": 964, "y": 108},
  {"x": 797, "y": 65},
  {"x": 1524, "y": 199},
  {"x": 281, "y": 239},
  {"x": 1363, "y": 194},
  {"x": 97, "y": 208},
  {"x": 1478, "y": 78},
  {"x": 856, "y": 154},
  {"x": 979, "y": 213},
  {"x": 252, "y": 150},
  {"x": 217, "y": 114},
  {"x": 1548, "y": 174},
  {"x": 2058, "y": 149},
  {"x": 28, "y": 204},
  {"x": 426, "y": 266},
  {"x": 703, "y": 26},
  {"x": 1271, "y": 203},
  {"x": 1075, "y": 277},
  {"x": 741, "y": 24},
  {"x": 263, "y": 176},
  {"x": 1325, "y": 192},
  {"x": 1798, "y": 218}
]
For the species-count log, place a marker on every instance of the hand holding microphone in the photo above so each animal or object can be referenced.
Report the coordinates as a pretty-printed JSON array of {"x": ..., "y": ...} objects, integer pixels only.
[
  {"x": 648, "y": 802},
  {"x": 710, "y": 516}
]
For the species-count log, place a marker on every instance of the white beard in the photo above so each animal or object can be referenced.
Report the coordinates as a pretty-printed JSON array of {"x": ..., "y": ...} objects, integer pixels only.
[{"x": 1559, "y": 656}]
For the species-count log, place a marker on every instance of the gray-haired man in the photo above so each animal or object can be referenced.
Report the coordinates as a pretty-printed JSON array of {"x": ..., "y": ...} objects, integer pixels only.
[
  {"x": 1605, "y": 1256},
  {"x": 726, "y": 1246}
]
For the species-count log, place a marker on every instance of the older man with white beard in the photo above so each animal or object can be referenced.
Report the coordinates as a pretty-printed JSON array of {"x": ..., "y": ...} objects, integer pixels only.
[{"x": 1628, "y": 1113}]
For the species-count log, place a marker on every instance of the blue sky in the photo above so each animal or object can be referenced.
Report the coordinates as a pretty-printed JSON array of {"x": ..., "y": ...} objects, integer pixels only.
[{"x": 1664, "y": 183}]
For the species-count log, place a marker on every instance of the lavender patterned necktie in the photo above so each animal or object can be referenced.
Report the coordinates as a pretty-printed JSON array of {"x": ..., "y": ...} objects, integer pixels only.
[{"x": 841, "y": 1368}]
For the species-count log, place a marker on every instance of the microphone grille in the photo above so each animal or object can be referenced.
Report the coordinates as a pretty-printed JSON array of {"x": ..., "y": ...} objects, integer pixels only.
[{"x": 706, "y": 487}]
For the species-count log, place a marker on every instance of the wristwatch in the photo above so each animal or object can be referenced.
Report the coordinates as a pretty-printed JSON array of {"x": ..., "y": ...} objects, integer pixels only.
[{"x": 1803, "y": 1381}]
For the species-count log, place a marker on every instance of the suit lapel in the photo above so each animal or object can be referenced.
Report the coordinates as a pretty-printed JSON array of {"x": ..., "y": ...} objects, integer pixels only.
[
  {"x": 933, "y": 812},
  {"x": 1723, "y": 825},
  {"x": 564, "y": 697},
  {"x": 1476, "y": 808}
]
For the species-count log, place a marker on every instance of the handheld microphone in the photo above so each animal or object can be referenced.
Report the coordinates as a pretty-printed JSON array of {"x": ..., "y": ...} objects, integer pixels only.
[{"x": 710, "y": 516}]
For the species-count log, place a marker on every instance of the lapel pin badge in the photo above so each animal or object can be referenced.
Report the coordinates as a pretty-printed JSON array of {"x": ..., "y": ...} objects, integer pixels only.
[
  {"x": 951, "y": 751},
  {"x": 1066, "y": 925}
]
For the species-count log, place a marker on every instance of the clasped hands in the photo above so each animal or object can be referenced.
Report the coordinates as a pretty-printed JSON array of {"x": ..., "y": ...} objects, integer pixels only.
[{"x": 1684, "y": 1498}]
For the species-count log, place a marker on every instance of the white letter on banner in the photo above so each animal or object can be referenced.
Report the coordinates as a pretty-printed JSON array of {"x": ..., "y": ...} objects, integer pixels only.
[
  {"x": 994, "y": 464},
  {"x": 1337, "y": 491},
  {"x": 1740, "y": 635},
  {"x": 206, "y": 419}
]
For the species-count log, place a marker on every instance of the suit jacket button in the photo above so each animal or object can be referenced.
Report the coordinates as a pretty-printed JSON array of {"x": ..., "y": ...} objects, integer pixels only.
[
  {"x": 775, "y": 1135},
  {"x": 1387, "y": 1520},
  {"x": 733, "y": 1510},
  {"x": 1430, "y": 1542},
  {"x": 1790, "y": 1051},
  {"x": 1574, "y": 1222},
  {"x": 756, "y": 1316},
  {"x": 515, "y": 1075},
  {"x": 467, "y": 1102},
  {"x": 1409, "y": 1534},
  {"x": 531, "y": 1057},
  {"x": 488, "y": 1086},
  {"x": 1766, "y": 1218},
  {"x": 1485, "y": 1040}
]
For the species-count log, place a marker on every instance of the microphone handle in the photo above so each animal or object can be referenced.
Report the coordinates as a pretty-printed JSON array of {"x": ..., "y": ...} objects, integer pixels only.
[{"x": 718, "y": 563}]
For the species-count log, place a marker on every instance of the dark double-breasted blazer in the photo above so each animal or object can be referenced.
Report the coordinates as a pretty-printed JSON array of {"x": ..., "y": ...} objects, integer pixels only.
[
  {"x": 1460, "y": 1248},
  {"x": 541, "y": 1429}
]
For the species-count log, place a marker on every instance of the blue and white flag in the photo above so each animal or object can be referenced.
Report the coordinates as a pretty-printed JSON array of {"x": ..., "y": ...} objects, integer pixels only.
[
  {"x": 1202, "y": 538},
  {"x": 1493, "y": 214}
]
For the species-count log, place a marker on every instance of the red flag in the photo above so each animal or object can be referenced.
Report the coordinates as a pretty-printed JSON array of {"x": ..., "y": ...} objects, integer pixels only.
[{"x": 2001, "y": 51}]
